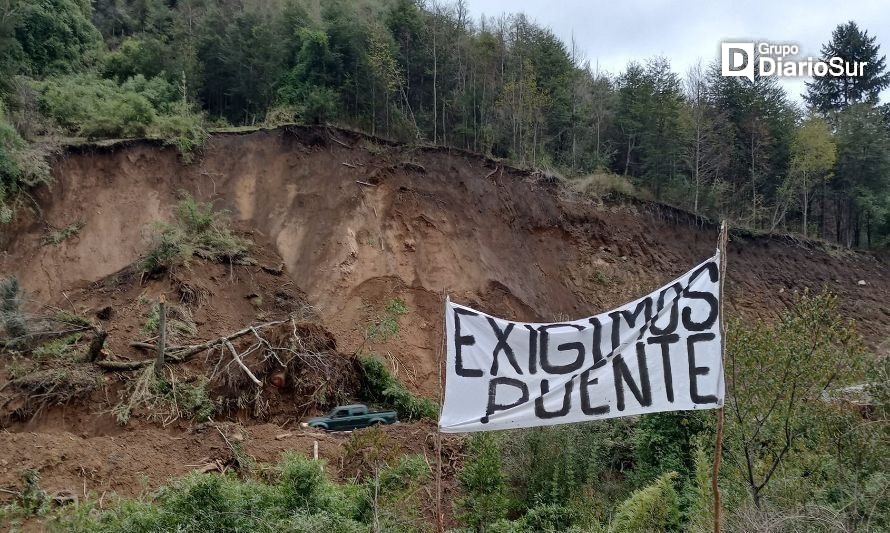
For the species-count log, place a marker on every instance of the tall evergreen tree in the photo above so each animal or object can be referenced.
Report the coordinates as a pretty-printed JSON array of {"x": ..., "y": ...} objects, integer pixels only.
[{"x": 833, "y": 93}]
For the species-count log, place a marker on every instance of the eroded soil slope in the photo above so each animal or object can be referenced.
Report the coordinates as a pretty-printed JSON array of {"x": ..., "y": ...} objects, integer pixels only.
[{"x": 358, "y": 221}]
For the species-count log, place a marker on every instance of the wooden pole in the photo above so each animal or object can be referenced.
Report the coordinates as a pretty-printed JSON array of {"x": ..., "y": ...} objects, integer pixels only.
[
  {"x": 440, "y": 517},
  {"x": 718, "y": 444},
  {"x": 162, "y": 336}
]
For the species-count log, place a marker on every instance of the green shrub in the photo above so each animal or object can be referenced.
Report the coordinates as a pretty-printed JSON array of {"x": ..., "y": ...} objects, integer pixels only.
[
  {"x": 184, "y": 130},
  {"x": 403, "y": 473},
  {"x": 93, "y": 107},
  {"x": 170, "y": 246},
  {"x": 484, "y": 497},
  {"x": 549, "y": 518},
  {"x": 653, "y": 508},
  {"x": 179, "y": 320},
  {"x": 22, "y": 166},
  {"x": 135, "y": 56},
  {"x": 379, "y": 386},
  {"x": 697, "y": 496},
  {"x": 560, "y": 464},
  {"x": 33, "y": 500},
  {"x": 301, "y": 499},
  {"x": 197, "y": 229},
  {"x": 127, "y": 114},
  {"x": 665, "y": 442},
  {"x": 303, "y": 484},
  {"x": 82, "y": 101},
  {"x": 63, "y": 347},
  {"x": 387, "y": 325},
  {"x": 189, "y": 398}
]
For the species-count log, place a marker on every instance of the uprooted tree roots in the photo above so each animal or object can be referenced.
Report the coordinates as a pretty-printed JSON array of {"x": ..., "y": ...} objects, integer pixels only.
[
  {"x": 277, "y": 367},
  {"x": 34, "y": 391},
  {"x": 298, "y": 360}
]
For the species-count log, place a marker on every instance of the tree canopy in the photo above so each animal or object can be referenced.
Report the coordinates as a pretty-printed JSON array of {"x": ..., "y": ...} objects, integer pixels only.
[{"x": 425, "y": 71}]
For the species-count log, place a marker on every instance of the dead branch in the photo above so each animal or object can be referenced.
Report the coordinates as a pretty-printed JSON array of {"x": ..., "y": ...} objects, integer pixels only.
[
  {"x": 242, "y": 365},
  {"x": 338, "y": 141},
  {"x": 275, "y": 271},
  {"x": 365, "y": 183},
  {"x": 185, "y": 353},
  {"x": 151, "y": 347}
]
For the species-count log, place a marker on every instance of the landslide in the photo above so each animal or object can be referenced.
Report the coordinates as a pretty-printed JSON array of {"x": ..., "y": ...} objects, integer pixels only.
[
  {"x": 342, "y": 223},
  {"x": 358, "y": 220}
]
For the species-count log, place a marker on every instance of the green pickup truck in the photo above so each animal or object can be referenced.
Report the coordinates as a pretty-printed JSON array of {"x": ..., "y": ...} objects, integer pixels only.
[{"x": 349, "y": 417}]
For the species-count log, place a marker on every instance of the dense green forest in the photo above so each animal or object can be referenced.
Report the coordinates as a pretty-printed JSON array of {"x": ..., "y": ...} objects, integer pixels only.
[{"x": 427, "y": 72}]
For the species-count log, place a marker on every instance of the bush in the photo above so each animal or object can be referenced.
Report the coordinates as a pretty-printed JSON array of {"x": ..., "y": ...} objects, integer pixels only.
[
  {"x": 482, "y": 480},
  {"x": 198, "y": 230},
  {"x": 653, "y": 508},
  {"x": 168, "y": 400},
  {"x": 60, "y": 348},
  {"x": 86, "y": 105},
  {"x": 303, "y": 484},
  {"x": 184, "y": 130},
  {"x": 93, "y": 107},
  {"x": 387, "y": 325},
  {"x": 665, "y": 442},
  {"x": 560, "y": 464},
  {"x": 22, "y": 165},
  {"x": 380, "y": 386},
  {"x": 59, "y": 236}
]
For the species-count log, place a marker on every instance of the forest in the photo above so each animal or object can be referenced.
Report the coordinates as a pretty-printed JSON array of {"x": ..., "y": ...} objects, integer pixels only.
[
  {"x": 806, "y": 408},
  {"x": 426, "y": 72}
]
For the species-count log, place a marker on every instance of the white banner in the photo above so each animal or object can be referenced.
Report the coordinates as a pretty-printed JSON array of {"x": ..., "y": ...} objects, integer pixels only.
[{"x": 659, "y": 353}]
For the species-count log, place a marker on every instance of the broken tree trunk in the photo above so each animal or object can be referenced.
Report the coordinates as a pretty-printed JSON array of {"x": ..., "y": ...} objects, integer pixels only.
[
  {"x": 185, "y": 353},
  {"x": 96, "y": 344},
  {"x": 162, "y": 336}
]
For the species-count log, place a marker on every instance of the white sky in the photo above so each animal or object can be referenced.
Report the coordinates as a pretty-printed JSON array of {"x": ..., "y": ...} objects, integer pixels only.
[{"x": 611, "y": 33}]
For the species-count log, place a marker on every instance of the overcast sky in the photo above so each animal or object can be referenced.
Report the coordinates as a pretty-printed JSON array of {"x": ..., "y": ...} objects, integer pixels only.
[{"x": 611, "y": 33}]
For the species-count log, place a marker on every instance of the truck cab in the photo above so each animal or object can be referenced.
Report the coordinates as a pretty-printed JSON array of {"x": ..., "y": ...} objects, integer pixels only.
[{"x": 348, "y": 417}]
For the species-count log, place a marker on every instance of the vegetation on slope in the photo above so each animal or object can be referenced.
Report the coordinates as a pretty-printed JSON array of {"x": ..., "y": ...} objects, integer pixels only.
[{"x": 197, "y": 230}]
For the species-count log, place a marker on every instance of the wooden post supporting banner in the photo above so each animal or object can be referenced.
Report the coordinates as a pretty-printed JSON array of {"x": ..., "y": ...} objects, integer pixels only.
[
  {"x": 718, "y": 445},
  {"x": 440, "y": 517}
]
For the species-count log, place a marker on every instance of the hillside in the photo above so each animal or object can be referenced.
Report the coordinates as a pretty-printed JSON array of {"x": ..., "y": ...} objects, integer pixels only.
[
  {"x": 355, "y": 221},
  {"x": 431, "y": 221}
]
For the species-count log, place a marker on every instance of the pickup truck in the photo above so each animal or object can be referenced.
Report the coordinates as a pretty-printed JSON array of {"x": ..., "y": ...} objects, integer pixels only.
[{"x": 349, "y": 417}]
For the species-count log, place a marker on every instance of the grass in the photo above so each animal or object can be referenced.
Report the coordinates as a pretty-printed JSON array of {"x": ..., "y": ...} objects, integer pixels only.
[
  {"x": 60, "y": 348},
  {"x": 59, "y": 236},
  {"x": 602, "y": 184},
  {"x": 164, "y": 400},
  {"x": 179, "y": 320},
  {"x": 387, "y": 325},
  {"x": 196, "y": 230}
]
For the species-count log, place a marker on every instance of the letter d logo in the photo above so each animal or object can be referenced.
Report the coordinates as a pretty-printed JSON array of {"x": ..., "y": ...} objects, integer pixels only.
[{"x": 737, "y": 59}]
